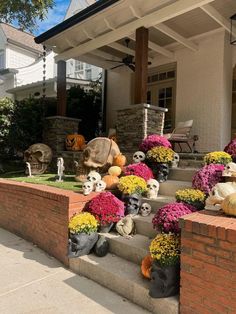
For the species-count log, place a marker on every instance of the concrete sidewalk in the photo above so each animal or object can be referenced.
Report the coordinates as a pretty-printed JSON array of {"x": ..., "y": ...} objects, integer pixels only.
[{"x": 33, "y": 282}]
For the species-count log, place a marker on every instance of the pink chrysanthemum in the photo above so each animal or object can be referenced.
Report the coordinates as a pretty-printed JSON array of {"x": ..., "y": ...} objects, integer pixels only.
[
  {"x": 152, "y": 141},
  {"x": 140, "y": 169}
]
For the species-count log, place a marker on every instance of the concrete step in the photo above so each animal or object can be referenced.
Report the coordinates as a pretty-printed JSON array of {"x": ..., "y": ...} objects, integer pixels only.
[
  {"x": 124, "y": 278},
  {"x": 131, "y": 249},
  {"x": 182, "y": 174},
  {"x": 143, "y": 226},
  {"x": 192, "y": 163},
  {"x": 159, "y": 202},
  {"x": 171, "y": 186}
]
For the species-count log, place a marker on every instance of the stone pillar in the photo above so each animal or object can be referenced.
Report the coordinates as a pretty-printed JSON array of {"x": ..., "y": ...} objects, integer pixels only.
[
  {"x": 136, "y": 122},
  {"x": 56, "y": 129}
]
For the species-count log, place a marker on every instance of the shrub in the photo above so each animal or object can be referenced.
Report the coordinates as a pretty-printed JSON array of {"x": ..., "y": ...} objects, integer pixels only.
[
  {"x": 217, "y": 158},
  {"x": 140, "y": 170},
  {"x": 152, "y": 141},
  {"x": 83, "y": 223},
  {"x": 132, "y": 185}
]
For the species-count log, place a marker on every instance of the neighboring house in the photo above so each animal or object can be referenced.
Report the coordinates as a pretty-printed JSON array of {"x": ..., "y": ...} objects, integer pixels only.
[{"x": 191, "y": 59}]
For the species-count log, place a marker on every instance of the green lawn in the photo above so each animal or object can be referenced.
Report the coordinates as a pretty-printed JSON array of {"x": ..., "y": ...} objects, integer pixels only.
[{"x": 47, "y": 179}]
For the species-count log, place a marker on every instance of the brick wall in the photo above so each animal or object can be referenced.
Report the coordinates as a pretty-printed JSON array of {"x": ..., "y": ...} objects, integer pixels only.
[
  {"x": 40, "y": 214},
  {"x": 208, "y": 264}
]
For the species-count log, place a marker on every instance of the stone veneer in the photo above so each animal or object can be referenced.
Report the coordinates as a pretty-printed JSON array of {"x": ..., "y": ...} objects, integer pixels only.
[{"x": 134, "y": 123}]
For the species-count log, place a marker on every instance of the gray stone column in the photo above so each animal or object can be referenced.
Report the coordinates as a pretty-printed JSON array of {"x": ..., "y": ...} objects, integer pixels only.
[{"x": 136, "y": 122}]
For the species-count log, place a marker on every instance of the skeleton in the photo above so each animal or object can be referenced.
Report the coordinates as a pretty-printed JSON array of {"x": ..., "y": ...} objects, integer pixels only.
[
  {"x": 175, "y": 162},
  {"x": 153, "y": 188},
  {"x": 87, "y": 187},
  {"x": 126, "y": 226},
  {"x": 60, "y": 169},
  {"x": 230, "y": 170},
  {"x": 218, "y": 194},
  {"x": 94, "y": 177},
  {"x": 100, "y": 186},
  {"x": 138, "y": 157},
  {"x": 29, "y": 170},
  {"x": 132, "y": 204},
  {"x": 145, "y": 209},
  {"x": 39, "y": 156}
]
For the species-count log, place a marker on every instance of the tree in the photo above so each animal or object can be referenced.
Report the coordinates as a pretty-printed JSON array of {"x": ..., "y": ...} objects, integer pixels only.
[{"x": 24, "y": 12}]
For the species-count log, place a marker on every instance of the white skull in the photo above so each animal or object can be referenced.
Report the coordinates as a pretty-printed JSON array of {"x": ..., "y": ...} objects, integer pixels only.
[
  {"x": 230, "y": 170},
  {"x": 153, "y": 188},
  {"x": 145, "y": 209},
  {"x": 94, "y": 177},
  {"x": 175, "y": 161},
  {"x": 87, "y": 187},
  {"x": 138, "y": 157},
  {"x": 100, "y": 186}
]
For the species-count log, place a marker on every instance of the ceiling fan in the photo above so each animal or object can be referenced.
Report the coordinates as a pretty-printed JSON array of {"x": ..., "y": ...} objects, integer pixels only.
[{"x": 127, "y": 61}]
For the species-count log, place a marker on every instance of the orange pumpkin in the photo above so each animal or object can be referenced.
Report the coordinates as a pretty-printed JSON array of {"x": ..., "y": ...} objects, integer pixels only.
[
  {"x": 111, "y": 182},
  {"x": 119, "y": 160},
  {"x": 75, "y": 142},
  {"x": 146, "y": 266}
]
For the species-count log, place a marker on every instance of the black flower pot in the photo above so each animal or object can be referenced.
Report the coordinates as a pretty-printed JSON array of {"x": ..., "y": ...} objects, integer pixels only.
[
  {"x": 160, "y": 170},
  {"x": 106, "y": 228},
  {"x": 165, "y": 281},
  {"x": 81, "y": 243}
]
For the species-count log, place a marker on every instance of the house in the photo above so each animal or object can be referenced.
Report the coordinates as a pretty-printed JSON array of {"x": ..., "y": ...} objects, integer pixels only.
[{"x": 182, "y": 52}]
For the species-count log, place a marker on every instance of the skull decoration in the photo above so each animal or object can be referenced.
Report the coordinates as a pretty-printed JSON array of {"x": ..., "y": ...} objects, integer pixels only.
[
  {"x": 94, "y": 177},
  {"x": 219, "y": 193},
  {"x": 39, "y": 156},
  {"x": 138, "y": 157},
  {"x": 81, "y": 244},
  {"x": 100, "y": 186},
  {"x": 230, "y": 170},
  {"x": 162, "y": 172},
  {"x": 175, "y": 162},
  {"x": 87, "y": 187},
  {"x": 132, "y": 204},
  {"x": 164, "y": 281},
  {"x": 145, "y": 209},
  {"x": 153, "y": 188}
]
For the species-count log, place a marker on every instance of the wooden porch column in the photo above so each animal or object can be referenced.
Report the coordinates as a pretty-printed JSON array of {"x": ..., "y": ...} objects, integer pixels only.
[
  {"x": 141, "y": 66},
  {"x": 61, "y": 88}
]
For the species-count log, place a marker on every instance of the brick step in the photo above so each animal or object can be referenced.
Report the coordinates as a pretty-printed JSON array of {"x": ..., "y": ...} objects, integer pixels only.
[
  {"x": 182, "y": 174},
  {"x": 124, "y": 278},
  {"x": 171, "y": 186}
]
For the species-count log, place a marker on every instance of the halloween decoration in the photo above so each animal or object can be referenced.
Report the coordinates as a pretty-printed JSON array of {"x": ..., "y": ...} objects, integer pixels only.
[
  {"x": 75, "y": 142},
  {"x": 111, "y": 182},
  {"x": 100, "y": 186},
  {"x": 119, "y": 160},
  {"x": 81, "y": 244},
  {"x": 145, "y": 210},
  {"x": 39, "y": 156},
  {"x": 161, "y": 172},
  {"x": 138, "y": 157},
  {"x": 153, "y": 188},
  {"x": 230, "y": 170},
  {"x": 100, "y": 153},
  {"x": 146, "y": 266},
  {"x": 175, "y": 162},
  {"x": 60, "y": 169},
  {"x": 87, "y": 187},
  {"x": 29, "y": 169},
  {"x": 219, "y": 193},
  {"x": 229, "y": 205},
  {"x": 101, "y": 248},
  {"x": 114, "y": 171},
  {"x": 94, "y": 177},
  {"x": 125, "y": 226},
  {"x": 132, "y": 204}
]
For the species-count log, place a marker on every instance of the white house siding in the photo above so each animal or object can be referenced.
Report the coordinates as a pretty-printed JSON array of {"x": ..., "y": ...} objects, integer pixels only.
[{"x": 17, "y": 57}]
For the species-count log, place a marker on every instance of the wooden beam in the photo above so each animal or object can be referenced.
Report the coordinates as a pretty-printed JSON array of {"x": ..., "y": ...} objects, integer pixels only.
[
  {"x": 171, "y": 33},
  {"x": 61, "y": 88},
  {"x": 141, "y": 66},
  {"x": 215, "y": 15},
  {"x": 156, "y": 17}
]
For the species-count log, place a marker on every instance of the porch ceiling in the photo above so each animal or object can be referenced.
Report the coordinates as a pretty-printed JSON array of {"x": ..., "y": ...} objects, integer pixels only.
[{"x": 101, "y": 36}]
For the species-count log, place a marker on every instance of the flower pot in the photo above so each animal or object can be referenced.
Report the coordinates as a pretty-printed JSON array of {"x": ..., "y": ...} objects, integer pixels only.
[
  {"x": 132, "y": 203},
  {"x": 106, "y": 228},
  {"x": 165, "y": 280},
  {"x": 81, "y": 243},
  {"x": 160, "y": 170}
]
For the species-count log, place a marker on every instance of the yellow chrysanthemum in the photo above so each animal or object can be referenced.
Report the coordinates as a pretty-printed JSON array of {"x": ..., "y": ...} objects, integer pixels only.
[
  {"x": 83, "y": 222},
  {"x": 160, "y": 154},
  {"x": 190, "y": 195},
  {"x": 132, "y": 184},
  {"x": 217, "y": 158}
]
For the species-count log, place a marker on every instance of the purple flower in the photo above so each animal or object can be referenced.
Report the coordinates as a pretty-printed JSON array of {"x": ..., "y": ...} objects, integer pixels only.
[
  {"x": 167, "y": 217},
  {"x": 207, "y": 177},
  {"x": 231, "y": 148},
  {"x": 152, "y": 141},
  {"x": 140, "y": 170}
]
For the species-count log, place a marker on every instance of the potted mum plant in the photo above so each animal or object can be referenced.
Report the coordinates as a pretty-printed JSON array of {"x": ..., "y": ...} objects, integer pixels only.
[
  {"x": 192, "y": 197},
  {"x": 217, "y": 158},
  {"x": 165, "y": 272},
  {"x": 153, "y": 140},
  {"x": 231, "y": 149},
  {"x": 140, "y": 170},
  {"x": 158, "y": 158},
  {"x": 83, "y": 234},
  {"x": 107, "y": 209}
]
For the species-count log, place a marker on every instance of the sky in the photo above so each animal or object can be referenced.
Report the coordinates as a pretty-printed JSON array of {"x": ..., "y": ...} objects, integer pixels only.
[{"x": 54, "y": 16}]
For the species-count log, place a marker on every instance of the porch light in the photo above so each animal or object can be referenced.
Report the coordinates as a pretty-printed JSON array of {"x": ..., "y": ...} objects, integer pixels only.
[{"x": 232, "y": 26}]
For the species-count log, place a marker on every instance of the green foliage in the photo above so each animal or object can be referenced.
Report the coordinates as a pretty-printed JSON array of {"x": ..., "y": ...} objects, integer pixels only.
[
  {"x": 25, "y": 13},
  {"x": 6, "y": 113}
]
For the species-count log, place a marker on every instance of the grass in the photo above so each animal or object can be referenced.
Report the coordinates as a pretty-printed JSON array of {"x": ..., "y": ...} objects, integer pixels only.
[{"x": 47, "y": 179}]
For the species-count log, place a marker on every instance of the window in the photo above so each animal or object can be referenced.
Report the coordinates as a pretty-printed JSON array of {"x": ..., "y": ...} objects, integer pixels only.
[
  {"x": 78, "y": 65},
  {"x": 87, "y": 66},
  {"x": 88, "y": 74},
  {"x": 2, "y": 59}
]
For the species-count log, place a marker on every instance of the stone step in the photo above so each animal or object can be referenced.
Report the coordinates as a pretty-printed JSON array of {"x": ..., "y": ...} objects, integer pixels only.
[
  {"x": 132, "y": 249},
  {"x": 191, "y": 163},
  {"x": 159, "y": 202},
  {"x": 171, "y": 186},
  {"x": 124, "y": 278},
  {"x": 143, "y": 225},
  {"x": 182, "y": 174}
]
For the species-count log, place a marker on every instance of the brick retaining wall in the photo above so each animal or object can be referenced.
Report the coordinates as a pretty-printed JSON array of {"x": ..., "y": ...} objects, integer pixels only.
[
  {"x": 208, "y": 264},
  {"x": 40, "y": 214}
]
